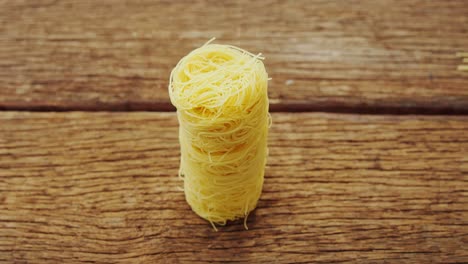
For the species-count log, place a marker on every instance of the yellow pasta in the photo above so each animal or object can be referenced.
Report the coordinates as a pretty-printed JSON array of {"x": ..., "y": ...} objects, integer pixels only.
[
  {"x": 220, "y": 92},
  {"x": 464, "y": 55},
  {"x": 461, "y": 54}
]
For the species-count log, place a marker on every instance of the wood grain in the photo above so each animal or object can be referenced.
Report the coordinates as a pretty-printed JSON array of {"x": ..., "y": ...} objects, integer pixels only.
[
  {"x": 102, "y": 187},
  {"x": 346, "y": 56}
]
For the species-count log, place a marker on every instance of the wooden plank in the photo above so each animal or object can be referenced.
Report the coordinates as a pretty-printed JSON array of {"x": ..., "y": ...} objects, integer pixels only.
[
  {"x": 102, "y": 187},
  {"x": 325, "y": 55}
]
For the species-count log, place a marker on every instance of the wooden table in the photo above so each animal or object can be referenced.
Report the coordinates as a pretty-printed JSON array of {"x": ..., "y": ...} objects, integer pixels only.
[{"x": 368, "y": 150}]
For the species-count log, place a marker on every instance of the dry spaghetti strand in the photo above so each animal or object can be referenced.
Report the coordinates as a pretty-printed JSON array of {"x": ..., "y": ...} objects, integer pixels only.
[{"x": 220, "y": 92}]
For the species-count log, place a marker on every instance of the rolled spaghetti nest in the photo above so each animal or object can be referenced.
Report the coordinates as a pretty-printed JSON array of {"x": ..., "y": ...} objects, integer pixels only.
[{"x": 220, "y": 92}]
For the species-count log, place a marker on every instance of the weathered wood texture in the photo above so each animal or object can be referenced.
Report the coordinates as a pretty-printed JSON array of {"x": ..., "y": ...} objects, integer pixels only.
[
  {"x": 102, "y": 187},
  {"x": 329, "y": 55}
]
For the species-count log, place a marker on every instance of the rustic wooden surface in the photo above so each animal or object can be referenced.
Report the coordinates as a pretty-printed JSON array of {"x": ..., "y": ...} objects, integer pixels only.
[
  {"x": 361, "y": 56},
  {"x": 102, "y": 187}
]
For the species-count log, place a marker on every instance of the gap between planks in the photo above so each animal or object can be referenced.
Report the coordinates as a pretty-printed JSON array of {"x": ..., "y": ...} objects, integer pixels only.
[{"x": 274, "y": 108}]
